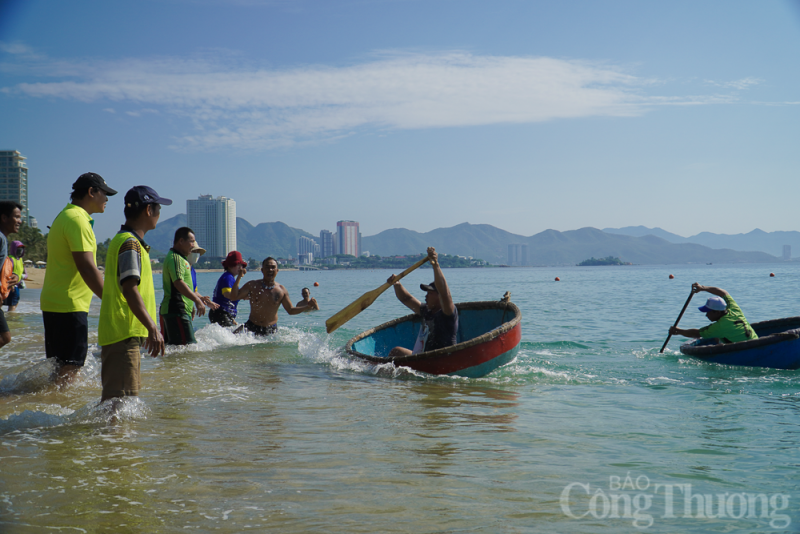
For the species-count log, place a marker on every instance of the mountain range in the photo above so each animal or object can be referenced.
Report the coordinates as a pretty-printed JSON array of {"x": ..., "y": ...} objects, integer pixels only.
[
  {"x": 638, "y": 245},
  {"x": 757, "y": 240}
]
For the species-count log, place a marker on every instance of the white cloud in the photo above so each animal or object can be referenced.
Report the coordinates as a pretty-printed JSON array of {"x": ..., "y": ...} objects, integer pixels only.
[
  {"x": 230, "y": 104},
  {"x": 744, "y": 83}
]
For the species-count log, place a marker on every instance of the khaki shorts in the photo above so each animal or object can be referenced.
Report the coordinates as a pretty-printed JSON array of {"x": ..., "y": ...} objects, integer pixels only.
[{"x": 120, "y": 371}]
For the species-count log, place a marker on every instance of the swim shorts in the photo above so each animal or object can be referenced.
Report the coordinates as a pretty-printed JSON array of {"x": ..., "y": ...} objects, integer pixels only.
[
  {"x": 221, "y": 317},
  {"x": 177, "y": 329},
  {"x": 66, "y": 337},
  {"x": 121, "y": 367},
  {"x": 260, "y": 330},
  {"x": 13, "y": 297}
]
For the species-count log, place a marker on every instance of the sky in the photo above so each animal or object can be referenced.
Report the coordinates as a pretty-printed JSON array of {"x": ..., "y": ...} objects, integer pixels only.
[{"x": 525, "y": 115}]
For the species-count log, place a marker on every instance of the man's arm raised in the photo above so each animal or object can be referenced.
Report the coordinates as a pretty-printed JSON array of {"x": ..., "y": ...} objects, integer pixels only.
[
  {"x": 403, "y": 295},
  {"x": 448, "y": 308},
  {"x": 239, "y": 294}
]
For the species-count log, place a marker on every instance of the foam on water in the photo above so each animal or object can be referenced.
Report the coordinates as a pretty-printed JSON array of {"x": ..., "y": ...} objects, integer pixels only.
[{"x": 112, "y": 411}]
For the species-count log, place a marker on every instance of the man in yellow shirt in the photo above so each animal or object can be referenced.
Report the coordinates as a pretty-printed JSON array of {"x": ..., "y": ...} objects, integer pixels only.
[
  {"x": 72, "y": 276},
  {"x": 128, "y": 311}
]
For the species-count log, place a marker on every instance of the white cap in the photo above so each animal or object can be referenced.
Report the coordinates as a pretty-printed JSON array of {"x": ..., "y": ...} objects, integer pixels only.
[{"x": 715, "y": 304}]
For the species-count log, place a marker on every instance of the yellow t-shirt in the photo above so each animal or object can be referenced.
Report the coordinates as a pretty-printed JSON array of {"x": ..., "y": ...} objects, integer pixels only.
[{"x": 64, "y": 290}]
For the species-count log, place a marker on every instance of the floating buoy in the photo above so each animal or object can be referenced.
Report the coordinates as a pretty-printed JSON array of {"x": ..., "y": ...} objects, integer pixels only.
[
  {"x": 671, "y": 276},
  {"x": 558, "y": 279},
  {"x": 316, "y": 284},
  {"x": 772, "y": 274}
]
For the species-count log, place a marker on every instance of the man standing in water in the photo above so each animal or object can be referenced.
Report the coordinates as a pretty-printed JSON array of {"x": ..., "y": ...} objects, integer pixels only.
[
  {"x": 439, "y": 315},
  {"x": 10, "y": 221},
  {"x": 265, "y": 297},
  {"x": 128, "y": 311},
  {"x": 72, "y": 276},
  {"x": 180, "y": 299},
  {"x": 728, "y": 321},
  {"x": 307, "y": 300}
]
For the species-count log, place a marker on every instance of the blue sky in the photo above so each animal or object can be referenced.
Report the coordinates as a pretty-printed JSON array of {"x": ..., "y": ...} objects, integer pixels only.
[{"x": 525, "y": 115}]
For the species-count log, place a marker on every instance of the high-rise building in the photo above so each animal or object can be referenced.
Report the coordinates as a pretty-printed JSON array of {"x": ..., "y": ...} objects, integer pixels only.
[
  {"x": 213, "y": 221},
  {"x": 326, "y": 244},
  {"x": 787, "y": 252},
  {"x": 348, "y": 238},
  {"x": 14, "y": 180},
  {"x": 518, "y": 255},
  {"x": 306, "y": 245}
]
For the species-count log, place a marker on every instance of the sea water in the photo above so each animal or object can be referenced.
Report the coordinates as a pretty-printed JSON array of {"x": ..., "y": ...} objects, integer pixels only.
[{"x": 589, "y": 429}]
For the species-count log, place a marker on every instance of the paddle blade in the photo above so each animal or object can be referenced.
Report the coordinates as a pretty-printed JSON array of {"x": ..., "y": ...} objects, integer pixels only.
[{"x": 359, "y": 305}]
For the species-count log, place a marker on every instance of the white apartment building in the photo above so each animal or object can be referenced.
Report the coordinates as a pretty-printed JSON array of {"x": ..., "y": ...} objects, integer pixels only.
[
  {"x": 213, "y": 221},
  {"x": 14, "y": 180}
]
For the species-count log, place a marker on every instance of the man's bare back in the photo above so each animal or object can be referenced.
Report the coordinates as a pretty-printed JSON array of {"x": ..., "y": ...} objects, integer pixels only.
[{"x": 266, "y": 296}]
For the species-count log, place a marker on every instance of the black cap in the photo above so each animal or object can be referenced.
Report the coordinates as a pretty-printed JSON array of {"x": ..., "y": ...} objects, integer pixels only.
[
  {"x": 141, "y": 194},
  {"x": 92, "y": 179},
  {"x": 429, "y": 287}
]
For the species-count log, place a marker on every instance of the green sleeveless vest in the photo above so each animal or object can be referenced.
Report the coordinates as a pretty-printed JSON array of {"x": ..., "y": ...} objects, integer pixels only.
[{"x": 117, "y": 321}]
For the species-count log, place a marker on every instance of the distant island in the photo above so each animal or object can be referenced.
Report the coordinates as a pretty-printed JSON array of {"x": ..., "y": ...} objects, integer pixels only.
[{"x": 610, "y": 260}]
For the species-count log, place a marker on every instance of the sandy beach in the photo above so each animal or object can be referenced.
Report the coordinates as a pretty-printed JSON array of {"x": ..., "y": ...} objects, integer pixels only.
[{"x": 35, "y": 278}]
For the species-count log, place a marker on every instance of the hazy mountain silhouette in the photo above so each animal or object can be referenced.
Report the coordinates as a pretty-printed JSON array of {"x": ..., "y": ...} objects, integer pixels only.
[
  {"x": 489, "y": 243},
  {"x": 757, "y": 240}
]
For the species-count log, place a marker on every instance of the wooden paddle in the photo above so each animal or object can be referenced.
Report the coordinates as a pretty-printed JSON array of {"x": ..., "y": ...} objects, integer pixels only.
[
  {"x": 364, "y": 301},
  {"x": 677, "y": 321}
]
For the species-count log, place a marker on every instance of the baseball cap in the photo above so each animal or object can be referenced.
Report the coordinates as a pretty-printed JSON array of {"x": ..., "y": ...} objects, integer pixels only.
[
  {"x": 92, "y": 179},
  {"x": 429, "y": 287},
  {"x": 141, "y": 194},
  {"x": 714, "y": 304}
]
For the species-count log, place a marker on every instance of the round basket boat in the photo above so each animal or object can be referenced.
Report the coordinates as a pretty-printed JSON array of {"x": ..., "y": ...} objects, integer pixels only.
[
  {"x": 777, "y": 347},
  {"x": 489, "y": 333}
]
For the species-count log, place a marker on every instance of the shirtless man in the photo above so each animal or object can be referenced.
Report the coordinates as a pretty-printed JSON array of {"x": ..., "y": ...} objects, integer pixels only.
[
  {"x": 265, "y": 297},
  {"x": 307, "y": 300}
]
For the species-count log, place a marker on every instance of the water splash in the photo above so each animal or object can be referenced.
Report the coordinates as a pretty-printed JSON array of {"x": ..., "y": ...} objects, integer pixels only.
[{"x": 112, "y": 411}]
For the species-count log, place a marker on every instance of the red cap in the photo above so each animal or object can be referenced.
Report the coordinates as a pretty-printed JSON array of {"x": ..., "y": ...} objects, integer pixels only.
[{"x": 234, "y": 258}]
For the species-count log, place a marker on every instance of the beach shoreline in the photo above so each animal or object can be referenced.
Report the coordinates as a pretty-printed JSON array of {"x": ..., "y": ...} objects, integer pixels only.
[{"x": 35, "y": 278}]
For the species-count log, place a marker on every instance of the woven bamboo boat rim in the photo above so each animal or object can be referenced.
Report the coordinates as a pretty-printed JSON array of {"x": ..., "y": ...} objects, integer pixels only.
[
  {"x": 507, "y": 326},
  {"x": 709, "y": 351}
]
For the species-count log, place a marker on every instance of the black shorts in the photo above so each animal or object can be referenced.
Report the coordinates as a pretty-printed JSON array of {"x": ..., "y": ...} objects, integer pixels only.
[
  {"x": 221, "y": 317},
  {"x": 3, "y": 323},
  {"x": 177, "y": 329},
  {"x": 66, "y": 337},
  {"x": 257, "y": 329}
]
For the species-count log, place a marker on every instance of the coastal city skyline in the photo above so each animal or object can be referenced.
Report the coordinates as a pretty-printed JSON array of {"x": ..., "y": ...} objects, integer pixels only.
[{"x": 524, "y": 116}]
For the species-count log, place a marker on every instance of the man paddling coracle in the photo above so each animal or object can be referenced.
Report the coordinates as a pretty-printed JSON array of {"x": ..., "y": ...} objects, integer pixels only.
[
  {"x": 439, "y": 327},
  {"x": 728, "y": 321}
]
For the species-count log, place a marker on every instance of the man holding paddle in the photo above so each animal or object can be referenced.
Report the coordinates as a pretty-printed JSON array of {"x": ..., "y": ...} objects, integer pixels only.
[
  {"x": 728, "y": 321},
  {"x": 439, "y": 314}
]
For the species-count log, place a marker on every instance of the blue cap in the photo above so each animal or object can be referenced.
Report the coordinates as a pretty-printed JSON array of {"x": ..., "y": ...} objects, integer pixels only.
[{"x": 141, "y": 194}]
